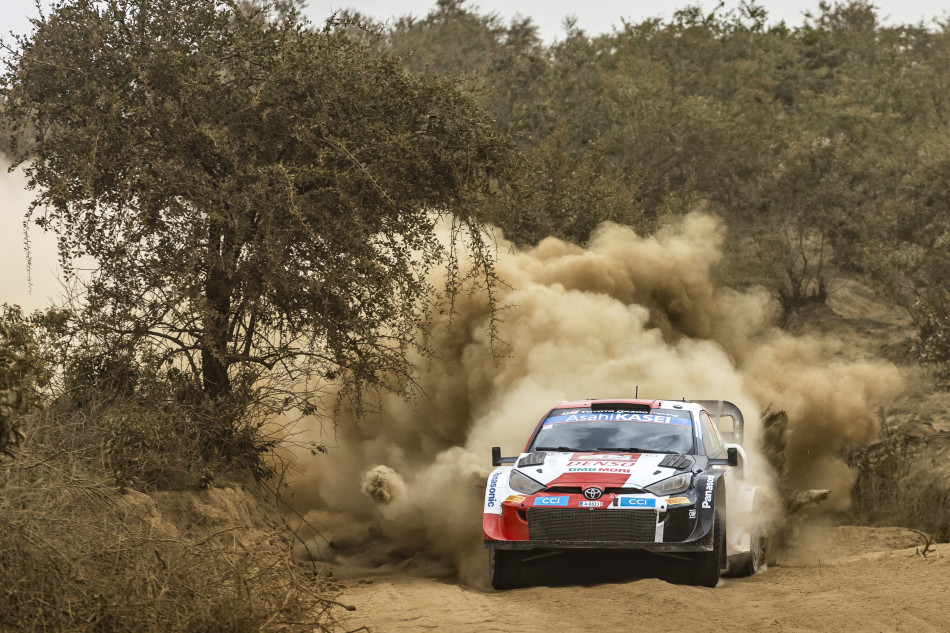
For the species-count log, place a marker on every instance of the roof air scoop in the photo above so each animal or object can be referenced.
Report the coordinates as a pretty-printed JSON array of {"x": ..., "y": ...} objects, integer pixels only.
[{"x": 620, "y": 406}]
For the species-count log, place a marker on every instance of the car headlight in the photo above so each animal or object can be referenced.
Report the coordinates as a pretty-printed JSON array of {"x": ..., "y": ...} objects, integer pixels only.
[
  {"x": 523, "y": 484},
  {"x": 672, "y": 485}
]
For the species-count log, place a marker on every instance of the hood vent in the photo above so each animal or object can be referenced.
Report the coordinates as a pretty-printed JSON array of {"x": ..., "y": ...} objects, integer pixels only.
[
  {"x": 677, "y": 461},
  {"x": 532, "y": 459}
]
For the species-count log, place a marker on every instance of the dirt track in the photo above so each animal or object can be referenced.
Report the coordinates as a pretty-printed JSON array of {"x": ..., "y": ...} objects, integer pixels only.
[{"x": 836, "y": 579}]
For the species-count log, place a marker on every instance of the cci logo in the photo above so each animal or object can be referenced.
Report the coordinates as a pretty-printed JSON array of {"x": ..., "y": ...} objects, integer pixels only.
[
  {"x": 550, "y": 501},
  {"x": 637, "y": 502}
]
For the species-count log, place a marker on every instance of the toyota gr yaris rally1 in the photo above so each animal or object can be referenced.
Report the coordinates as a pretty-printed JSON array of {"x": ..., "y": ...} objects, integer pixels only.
[{"x": 651, "y": 475}]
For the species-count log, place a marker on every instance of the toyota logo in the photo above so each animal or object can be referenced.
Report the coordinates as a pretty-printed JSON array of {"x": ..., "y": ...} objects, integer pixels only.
[{"x": 593, "y": 493}]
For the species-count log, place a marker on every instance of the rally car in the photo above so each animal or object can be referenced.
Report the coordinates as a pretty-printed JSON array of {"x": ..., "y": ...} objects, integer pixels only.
[{"x": 653, "y": 475}]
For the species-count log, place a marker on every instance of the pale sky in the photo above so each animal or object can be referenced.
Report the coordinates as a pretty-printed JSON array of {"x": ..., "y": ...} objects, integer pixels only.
[
  {"x": 594, "y": 16},
  {"x": 600, "y": 16}
]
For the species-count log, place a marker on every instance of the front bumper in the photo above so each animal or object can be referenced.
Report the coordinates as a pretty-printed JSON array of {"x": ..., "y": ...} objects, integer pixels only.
[{"x": 665, "y": 528}]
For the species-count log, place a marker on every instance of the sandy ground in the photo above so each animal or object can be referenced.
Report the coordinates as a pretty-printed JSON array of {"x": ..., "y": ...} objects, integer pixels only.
[{"x": 833, "y": 579}]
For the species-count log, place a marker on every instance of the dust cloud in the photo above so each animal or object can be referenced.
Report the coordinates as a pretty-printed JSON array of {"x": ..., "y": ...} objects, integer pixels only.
[
  {"x": 35, "y": 285},
  {"x": 627, "y": 313}
]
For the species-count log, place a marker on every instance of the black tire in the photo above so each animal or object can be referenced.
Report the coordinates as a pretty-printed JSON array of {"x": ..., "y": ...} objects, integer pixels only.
[
  {"x": 504, "y": 568},
  {"x": 707, "y": 566},
  {"x": 752, "y": 562}
]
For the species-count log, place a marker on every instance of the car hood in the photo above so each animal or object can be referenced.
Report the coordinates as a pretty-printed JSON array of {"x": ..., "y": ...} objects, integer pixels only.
[{"x": 606, "y": 470}]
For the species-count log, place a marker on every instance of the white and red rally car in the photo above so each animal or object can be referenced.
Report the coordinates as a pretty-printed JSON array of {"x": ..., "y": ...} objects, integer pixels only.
[{"x": 653, "y": 475}]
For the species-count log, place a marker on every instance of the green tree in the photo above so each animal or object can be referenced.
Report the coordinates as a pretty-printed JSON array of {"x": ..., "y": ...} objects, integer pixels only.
[
  {"x": 556, "y": 194},
  {"x": 24, "y": 371},
  {"x": 259, "y": 198},
  {"x": 909, "y": 250}
]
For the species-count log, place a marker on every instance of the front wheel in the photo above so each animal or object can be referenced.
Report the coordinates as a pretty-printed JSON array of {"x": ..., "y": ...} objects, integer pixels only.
[
  {"x": 504, "y": 568},
  {"x": 707, "y": 566}
]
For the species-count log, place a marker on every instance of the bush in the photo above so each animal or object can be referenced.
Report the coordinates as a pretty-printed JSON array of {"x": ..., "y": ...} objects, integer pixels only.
[
  {"x": 76, "y": 555},
  {"x": 889, "y": 491},
  {"x": 148, "y": 424},
  {"x": 23, "y": 372}
]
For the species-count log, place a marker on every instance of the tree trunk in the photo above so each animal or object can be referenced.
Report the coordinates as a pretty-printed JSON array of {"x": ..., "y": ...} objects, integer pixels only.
[{"x": 214, "y": 344}]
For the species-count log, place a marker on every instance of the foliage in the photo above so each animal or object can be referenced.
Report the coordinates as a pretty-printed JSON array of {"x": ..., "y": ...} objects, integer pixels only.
[
  {"x": 259, "y": 198},
  {"x": 912, "y": 254},
  {"x": 154, "y": 428},
  {"x": 77, "y": 555},
  {"x": 891, "y": 489},
  {"x": 243, "y": 246},
  {"x": 558, "y": 195},
  {"x": 24, "y": 372},
  {"x": 806, "y": 140}
]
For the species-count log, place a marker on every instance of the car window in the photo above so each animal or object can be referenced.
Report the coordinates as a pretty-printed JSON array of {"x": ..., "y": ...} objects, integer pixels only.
[
  {"x": 711, "y": 439},
  {"x": 585, "y": 430}
]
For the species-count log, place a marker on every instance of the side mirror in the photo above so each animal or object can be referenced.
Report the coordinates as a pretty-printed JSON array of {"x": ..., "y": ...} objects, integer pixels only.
[
  {"x": 732, "y": 454},
  {"x": 498, "y": 460}
]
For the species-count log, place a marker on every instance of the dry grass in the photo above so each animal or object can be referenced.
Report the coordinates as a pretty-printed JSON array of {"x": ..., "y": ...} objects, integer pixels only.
[
  {"x": 79, "y": 555},
  {"x": 898, "y": 485}
]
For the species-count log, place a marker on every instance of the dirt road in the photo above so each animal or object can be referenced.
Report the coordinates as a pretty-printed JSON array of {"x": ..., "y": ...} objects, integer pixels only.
[{"x": 834, "y": 579}]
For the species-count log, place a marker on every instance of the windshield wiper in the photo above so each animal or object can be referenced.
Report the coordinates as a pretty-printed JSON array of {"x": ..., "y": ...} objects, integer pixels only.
[
  {"x": 558, "y": 449},
  {"x": 634, "y": 449}
]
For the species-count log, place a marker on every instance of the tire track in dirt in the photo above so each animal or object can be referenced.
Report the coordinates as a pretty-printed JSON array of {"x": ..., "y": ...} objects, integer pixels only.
[{"x": 839, "y": 579}]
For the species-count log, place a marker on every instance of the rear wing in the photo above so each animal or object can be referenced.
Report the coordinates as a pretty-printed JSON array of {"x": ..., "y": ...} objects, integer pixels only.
[{"x": 727, "y": 417}]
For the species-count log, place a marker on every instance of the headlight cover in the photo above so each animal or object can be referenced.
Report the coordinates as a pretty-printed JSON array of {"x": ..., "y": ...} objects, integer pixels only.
[
  {"x": 671, "y": 485},
  {"x": 523, "y": 484}
]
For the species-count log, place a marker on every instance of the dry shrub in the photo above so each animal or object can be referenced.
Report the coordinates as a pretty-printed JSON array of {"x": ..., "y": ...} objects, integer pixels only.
[
  {"x": 897, "y": 483},
  {"x": 133, "y": 443},
  {"x": 78, "y": 555},
  {"x": 152, "y": 433}
]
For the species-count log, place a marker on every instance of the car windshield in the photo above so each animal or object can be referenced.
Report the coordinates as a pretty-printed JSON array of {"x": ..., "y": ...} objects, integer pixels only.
[{"x": 660, "y": 431}]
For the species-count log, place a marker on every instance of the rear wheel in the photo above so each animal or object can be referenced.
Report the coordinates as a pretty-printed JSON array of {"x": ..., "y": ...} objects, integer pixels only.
[
  {"x": 708, "y": 565},
  {"x": 752, "y": 562},
  {"x": 504, "y": 568}
]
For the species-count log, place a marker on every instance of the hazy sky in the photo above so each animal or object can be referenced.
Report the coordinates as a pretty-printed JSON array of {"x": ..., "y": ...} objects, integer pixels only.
[{"x": 595, "y": 16}]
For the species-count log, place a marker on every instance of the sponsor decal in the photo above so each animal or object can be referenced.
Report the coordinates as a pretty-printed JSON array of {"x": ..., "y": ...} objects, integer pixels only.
[
  {"x": 708, "y": 492},
  {"x": 637, "y": 502},
  {"x": 601, "y": 463},
  {"x": 589, "y": 469},
  {"x": 593, "y": 493},
  {"x": 680, "y": 418},
  {"x": 610, "y": 458},
  {"x": 692, "y": 513},
  {"x": 492, "y": 487},
  {"x": 675, "y": 501},
  {"x": 591, "y": 504},
  {"x": 551, "y": 501},
  {"x": 623, "y": 417},
  {"x": 515, "y": 499}
]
